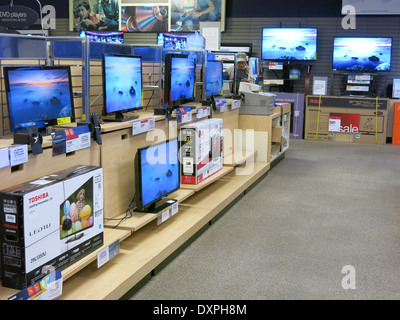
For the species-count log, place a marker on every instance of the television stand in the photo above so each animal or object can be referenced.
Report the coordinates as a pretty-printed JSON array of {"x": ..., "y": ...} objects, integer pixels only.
[{"x": 159, "y": 206}]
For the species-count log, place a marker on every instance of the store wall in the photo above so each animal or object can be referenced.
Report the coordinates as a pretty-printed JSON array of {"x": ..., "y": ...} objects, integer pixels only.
[{"x": 248, "y": 30}]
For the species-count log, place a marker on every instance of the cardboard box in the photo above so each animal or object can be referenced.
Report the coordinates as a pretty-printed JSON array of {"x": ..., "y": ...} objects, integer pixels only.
[
  {"x": 282, "y": 108},
  {"x": 200, "y": 150},
  {"x": 50, "y": 223},
  {"x": 346, "y": 119},
  {"x": 216, "y": 145}
]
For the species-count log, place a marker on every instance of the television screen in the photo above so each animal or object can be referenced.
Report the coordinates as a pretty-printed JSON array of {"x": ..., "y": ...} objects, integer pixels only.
[
  {"x": 214, "y": 78},
  {"x": 103, "y": 36},
  {"x": 76, "y": 212},
  {"x": 38, "y": 96},
  {"x": 289, "y": 44},
  {"x": 156, "y": 172},
  {"x": 362, "y": 54},
  {"x": 122, "y": 81},
  {"x": 172, "y": 40},
  {"x": 182, "y": 79}
]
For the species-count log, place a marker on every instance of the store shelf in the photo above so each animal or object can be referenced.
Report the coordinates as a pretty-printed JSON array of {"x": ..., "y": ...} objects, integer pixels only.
[
  {"x": 137, "y": 220},
  {"x": 208, "y": 181}
]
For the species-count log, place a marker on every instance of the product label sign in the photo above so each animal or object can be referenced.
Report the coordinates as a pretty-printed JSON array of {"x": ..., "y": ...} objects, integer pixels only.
[
  {"x": 4, "y": 158},
  {"x": 108, "y": 253},
  {"x": 183, "y": 114},
  {"x": 70, "y": 140},
  {"x": 142, "y": 126},
  {"x": 49, "y": 288},
  {"x": 203, "y": 112},
  {"x": 344, "y": 122},
  {"x": 18, "y": 154}
]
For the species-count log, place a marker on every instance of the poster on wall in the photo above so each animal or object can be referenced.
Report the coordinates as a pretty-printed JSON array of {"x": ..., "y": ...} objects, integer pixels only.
[
  {"x": 378, "y": 7},
  {"x": 144, "y": 18},
  {"x": 186, "y": 15},
  {"x": 94, "y": 15}
]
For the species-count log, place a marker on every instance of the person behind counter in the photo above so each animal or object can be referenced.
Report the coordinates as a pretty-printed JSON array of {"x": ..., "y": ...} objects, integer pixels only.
[{"x": 242, "y": 70}]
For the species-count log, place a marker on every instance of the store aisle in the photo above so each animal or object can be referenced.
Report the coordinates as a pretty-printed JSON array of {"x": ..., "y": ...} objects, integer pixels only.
[{"x": 323, "y": 207}]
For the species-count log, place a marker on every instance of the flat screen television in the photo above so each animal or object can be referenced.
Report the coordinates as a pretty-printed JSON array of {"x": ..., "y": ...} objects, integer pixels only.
[
  {"x": 76, "y": 212},
  {"x": 214, "y": 78},
  {"x": 38, "y": 96},
  {"x": 180, "y": 79},
  {"x": 254, "y": 64},
  {"x": 362, "y": 54},
  {"x": 103, "y": 36},
  {"x": 172, "y": 40},
  {"x": 284, "y": 44},
  {"x": 122, "y": 86},
  {"x": 156, "y": 174}
]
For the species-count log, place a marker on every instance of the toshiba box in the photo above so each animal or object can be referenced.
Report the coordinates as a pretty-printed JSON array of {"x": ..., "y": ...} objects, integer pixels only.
[{"x": 50, "y": 223}]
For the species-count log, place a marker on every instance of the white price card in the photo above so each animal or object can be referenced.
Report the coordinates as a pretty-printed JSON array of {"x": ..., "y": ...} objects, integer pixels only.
[
  {"x": 108, "y": 253},
  {"x": 4, "y": 158},
  {"x": 163, "y": 215},
  {"x": 142, "y": 126},
  {"x": 18, "y": 154},
  {"x": 203, "y": 112},
  {"x": 235, "y": 104},
  {"x": 334, "y": 124}
]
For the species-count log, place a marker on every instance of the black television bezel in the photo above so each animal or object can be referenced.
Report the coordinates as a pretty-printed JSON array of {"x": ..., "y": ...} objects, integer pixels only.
[
  {"x": 49, "y": 122},
  {"x": 362, "y": 71},
  {"x": 138, "y": 177},
  {"x": 120, "y": 112},
  {"x": 289, "y": 60},
  {"x": 167, "y": 79},
  {"x": 222, "y": 78}
]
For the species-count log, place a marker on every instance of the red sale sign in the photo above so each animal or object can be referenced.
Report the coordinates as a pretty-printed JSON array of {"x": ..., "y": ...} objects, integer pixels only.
[{"x": 349, "y": 122}]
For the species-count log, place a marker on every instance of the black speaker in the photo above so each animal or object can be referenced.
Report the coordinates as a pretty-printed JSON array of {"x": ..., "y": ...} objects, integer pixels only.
[{"x": 30, "y": 137}]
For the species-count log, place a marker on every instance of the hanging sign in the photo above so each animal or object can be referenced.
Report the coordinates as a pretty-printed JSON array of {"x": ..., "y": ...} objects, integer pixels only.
[{"x": 17, "y": 17}]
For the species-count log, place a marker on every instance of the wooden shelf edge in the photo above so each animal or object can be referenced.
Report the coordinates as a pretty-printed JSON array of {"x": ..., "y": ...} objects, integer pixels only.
[{"x": 197, "y": 187}]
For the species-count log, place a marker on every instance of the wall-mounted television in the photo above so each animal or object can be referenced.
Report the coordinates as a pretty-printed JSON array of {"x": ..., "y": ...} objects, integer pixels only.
[
  {"x": 180, "y": 79},
  {"x": 76, "y": 212},
  {"x": 38, "y": 96},
  {"x": 156, "y": 174},
  {"x": 122, "y": 86},
  {"x": 214, "y": 78},
  {"x": 362, "y": 54},
  {"x": 103, "y": 36},
  {"x": 178, "y": 40},
  {"x": 284, "y": 44}
]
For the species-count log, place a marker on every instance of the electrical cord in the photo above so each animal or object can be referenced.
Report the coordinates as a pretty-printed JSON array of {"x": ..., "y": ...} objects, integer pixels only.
[{"x": 128, "y": 215}]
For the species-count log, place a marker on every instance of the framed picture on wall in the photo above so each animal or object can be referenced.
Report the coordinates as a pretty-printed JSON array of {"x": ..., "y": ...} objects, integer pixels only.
[
  {"x": 144, "y": 18},
  {"x": 94, "y": 15},
  {"x": 186, "y": 15}
]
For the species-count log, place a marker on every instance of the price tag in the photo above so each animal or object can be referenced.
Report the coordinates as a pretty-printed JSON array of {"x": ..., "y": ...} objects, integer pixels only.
[
  {"x": 65, "y": 120},
  {"x": 334, "y": 124},
  {"x": 108, "y": 253},
  {"x": 142, "y": 126},
  {"x": 163, "y": 215},
  {"x": 221, "y": 105},
  {"x": 4, "y": 158},
  {"x": 18, "y": 154},
  {"x": 203, "y": 112},
  {"x": 235, "y": 104},
  {"x": 183, "y": 114},
  {"x": 72, "y": 139}
]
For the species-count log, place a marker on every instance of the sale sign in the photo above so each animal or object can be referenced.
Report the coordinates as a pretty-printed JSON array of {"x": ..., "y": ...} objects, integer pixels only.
[{"x": 344, "y": 122}]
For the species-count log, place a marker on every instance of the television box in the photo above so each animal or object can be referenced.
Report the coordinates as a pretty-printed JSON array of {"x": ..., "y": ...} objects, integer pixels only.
[
  {"x": 200, "y": 150},
  {"x": 346, "y": 119},
  {"x": 49, "y": 223},
  {"x": 216, "y": 145}
]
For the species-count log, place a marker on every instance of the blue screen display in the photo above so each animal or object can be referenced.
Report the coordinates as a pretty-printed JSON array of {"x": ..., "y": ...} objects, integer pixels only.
[
  {"x": 289, "y": 44},
  {"x": 182, "y": 78},
  {"x": 123, "y": 82},
  {"x": 159, "y": 168},
  {"x": 214, "y": 81},
  {"x": 37, "y": 96},
  {"x": 362, "y": 54}
]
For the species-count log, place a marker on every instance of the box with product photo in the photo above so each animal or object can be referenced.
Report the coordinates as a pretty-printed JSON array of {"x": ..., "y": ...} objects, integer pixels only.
[
  {"x": 194, "y": 152},
  {"x": 216, "y": 145},
  {"x": 50, "y": 223}
]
